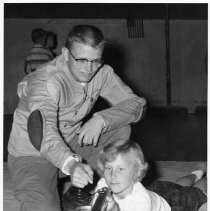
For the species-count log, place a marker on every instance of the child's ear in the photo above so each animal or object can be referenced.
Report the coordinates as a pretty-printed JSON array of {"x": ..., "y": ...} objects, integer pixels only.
[
  {"x": 100, "y": 169},
  {"x": 100, "y": 165},
  {"x": 138, "y": 171}
]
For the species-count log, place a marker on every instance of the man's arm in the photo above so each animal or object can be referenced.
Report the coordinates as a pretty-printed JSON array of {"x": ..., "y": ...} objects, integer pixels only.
[
  {"x": 44, "y": 108},
  {"x": 126, "y": 107},
  {"x": 80, "y": 173}
]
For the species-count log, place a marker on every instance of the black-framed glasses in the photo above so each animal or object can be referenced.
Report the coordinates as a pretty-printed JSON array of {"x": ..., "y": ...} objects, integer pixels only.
[{"x": 96, "y": 63}]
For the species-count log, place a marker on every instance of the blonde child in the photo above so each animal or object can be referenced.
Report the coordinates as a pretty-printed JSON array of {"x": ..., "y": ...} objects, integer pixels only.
[{"x": 123, "y": 167}]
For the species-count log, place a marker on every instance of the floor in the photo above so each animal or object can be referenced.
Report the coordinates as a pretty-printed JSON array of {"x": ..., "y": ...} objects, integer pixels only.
[{"x": 165, "y": 134}]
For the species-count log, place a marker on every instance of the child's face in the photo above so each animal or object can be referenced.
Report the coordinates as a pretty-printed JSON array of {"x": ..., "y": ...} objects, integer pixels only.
[{"x": 120, "y": 175}]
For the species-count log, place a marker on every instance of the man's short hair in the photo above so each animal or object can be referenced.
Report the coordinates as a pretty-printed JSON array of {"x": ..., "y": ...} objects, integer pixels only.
[
  {"x": 38, "y": 34},
  {"x": 86, "y": 34}
]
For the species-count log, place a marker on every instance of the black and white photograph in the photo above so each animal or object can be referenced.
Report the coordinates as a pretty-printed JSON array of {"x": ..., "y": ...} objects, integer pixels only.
[{"x": 105, "y": 106}]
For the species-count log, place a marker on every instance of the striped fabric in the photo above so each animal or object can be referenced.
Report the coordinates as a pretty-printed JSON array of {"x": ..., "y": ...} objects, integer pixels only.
[{"x": 37, "y": 56}]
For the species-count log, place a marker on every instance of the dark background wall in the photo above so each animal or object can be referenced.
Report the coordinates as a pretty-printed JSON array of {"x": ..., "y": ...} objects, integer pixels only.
[{"x": 141, "y": 62}]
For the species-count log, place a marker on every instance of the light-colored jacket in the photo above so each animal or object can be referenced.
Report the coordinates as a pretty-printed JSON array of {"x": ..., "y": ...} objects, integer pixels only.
[{"x": 63, "y": 103}]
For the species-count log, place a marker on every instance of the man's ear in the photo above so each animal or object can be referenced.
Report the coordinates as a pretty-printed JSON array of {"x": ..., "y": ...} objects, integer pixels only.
[{"x": 65, "y": 53}]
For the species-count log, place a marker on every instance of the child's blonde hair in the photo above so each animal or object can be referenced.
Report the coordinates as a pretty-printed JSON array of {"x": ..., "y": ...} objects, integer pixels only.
[{"x": 123, "y": 147}]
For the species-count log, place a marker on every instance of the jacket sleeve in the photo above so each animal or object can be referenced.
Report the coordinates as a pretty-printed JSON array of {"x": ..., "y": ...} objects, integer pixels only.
[
  {"x": 126, "y": 107},
  {"x": 45, "y": 98}
]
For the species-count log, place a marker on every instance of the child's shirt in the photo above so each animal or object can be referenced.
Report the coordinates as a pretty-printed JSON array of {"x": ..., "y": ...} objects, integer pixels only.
[
  {"x": 140, "y": 199},
  {"x": 36, "y": 56}
]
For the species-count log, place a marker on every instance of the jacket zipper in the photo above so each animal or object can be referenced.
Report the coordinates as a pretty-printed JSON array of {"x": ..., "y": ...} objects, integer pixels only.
[{"x": 85, "y": 88}]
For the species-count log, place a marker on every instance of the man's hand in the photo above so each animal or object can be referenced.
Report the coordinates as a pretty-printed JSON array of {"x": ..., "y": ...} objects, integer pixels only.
[
  {"x": 81, "y": 174},
  {"x": 89, "y": 133}
]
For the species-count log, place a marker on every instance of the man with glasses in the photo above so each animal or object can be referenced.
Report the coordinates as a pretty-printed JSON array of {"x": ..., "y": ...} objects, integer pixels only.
[{"x": 48, "y": 132}]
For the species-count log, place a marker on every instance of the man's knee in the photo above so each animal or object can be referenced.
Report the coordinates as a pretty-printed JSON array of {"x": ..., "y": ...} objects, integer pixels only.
[
  {"x": 119, "y": 133},
  {"x": 124, "y": 132}
]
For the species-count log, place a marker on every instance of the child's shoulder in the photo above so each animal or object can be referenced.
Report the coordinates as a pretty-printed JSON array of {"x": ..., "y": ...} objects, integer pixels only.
[{"x": 140, "y": 190}]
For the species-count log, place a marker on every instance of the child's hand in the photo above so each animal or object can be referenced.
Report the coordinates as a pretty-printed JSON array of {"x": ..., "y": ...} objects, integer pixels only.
[{"x": 110, "y": 204}]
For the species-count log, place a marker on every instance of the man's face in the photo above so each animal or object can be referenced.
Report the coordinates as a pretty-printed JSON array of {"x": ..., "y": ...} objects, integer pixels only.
[
  {"x": 119, "y": 175},
  {"x": 83, "y": 52}
]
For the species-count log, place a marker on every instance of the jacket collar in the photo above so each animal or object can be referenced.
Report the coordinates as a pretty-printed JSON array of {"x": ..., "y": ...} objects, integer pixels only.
[{"x": 62, "y": 66}]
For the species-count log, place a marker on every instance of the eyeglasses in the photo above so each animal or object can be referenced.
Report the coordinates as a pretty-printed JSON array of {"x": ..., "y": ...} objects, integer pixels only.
[{"x": 96, "y": 63}]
